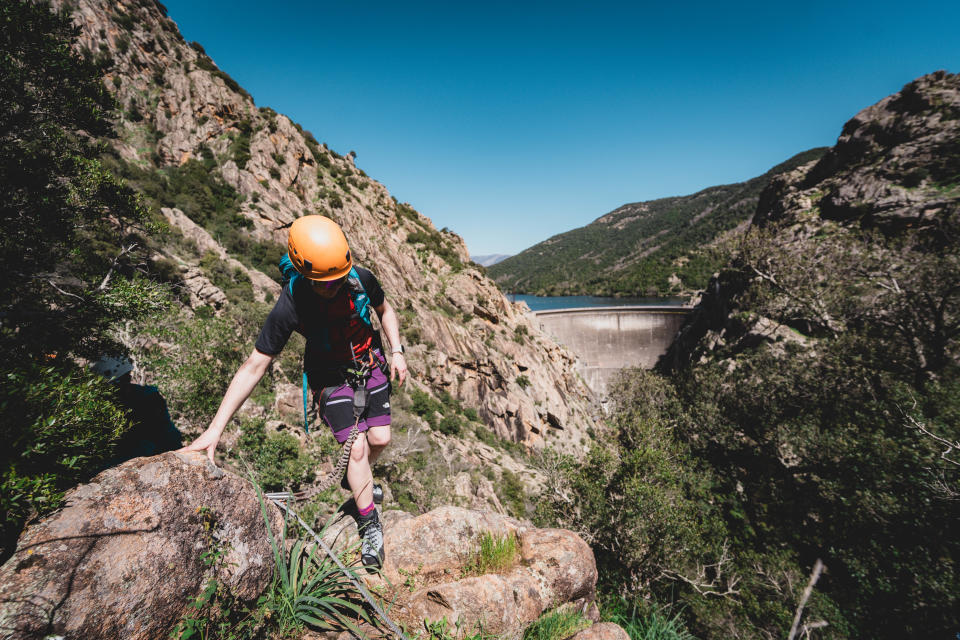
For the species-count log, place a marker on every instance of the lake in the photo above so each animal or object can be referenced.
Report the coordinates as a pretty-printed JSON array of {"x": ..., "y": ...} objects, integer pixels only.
[{"x": 544, "y": 303}]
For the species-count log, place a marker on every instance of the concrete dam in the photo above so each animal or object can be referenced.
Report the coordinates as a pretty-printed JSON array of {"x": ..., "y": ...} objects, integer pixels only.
[{"x": 607, "y": 339}]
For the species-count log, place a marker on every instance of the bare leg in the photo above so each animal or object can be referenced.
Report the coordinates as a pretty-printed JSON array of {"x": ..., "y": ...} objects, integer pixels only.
[
  {"x": 359, "y": 476},
  {"x": 377, "y": 438}
]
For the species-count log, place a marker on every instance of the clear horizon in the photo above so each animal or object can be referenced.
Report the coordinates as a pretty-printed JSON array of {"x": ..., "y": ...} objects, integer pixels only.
[{"x": 510, "y": 124}]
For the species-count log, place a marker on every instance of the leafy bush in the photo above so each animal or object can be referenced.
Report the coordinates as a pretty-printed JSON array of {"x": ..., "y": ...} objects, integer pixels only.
[
  {"x": 277, "y": 459},
  {"x": 512, "y": 494},
  {"x": 61, "y": 424},
  {"x": 649, "y": 623},
  {"x": 194, "y": 376},
  {"x": 425, "y": 406},
  {"x": 240, "y": 150},
  {"x": 235, "y": 283},
  {"x": 450, "y": 424}
]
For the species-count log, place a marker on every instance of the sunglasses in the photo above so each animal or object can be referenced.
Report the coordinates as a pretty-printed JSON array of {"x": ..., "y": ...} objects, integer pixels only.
[{"x": 327, "y": 285}]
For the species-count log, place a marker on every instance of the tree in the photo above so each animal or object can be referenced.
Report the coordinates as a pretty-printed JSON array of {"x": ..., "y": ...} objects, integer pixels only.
[{"x": 70, "y": 239}]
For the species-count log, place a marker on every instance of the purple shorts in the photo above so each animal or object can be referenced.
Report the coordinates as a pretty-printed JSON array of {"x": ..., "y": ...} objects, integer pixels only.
[{"x": 337, "y": 411}]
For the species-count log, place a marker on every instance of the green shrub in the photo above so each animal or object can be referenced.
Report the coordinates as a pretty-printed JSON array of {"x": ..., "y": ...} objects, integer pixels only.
[
  {"x": 512, "y": 494},
  {"x": 277, "y": 459},
  {"x": 194, "y": 376},
  {"x": 234, "y": 283},
  {"x": 240, "y": 150},
  {"x": 61, "y": 425},
  {"x": 68, "y": 281},
  {"x": 450, "y": 424},
  {"x": 520, "y": 333},
  {"x": 425, "y": 406},
  {"x": 523, "y": 381}
]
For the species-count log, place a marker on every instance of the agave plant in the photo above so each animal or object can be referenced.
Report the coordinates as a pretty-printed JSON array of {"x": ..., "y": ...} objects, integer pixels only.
[{"x": 308, "y": 587}]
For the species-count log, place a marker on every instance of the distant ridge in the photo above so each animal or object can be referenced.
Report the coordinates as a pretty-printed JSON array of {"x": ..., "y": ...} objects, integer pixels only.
[
  {"x": 663, "y": 247},
  {"x": 490, "y": 259}
]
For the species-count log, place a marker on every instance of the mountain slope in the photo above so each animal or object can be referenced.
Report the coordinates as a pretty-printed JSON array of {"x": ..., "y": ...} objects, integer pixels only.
[
  {"x": 229, "y": 178},
  {"x": 657, "y": 247},
  {"x": 805, "y": 416},
  {"x": 490, "y": 259}
]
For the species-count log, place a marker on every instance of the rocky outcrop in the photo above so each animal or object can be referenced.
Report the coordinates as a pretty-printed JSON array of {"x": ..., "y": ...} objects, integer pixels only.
[
  {"x": 428, "y": 575},
  {"x": 889, "y": 167},
  {"x": 896, "y": 170},
  {"x": 462, "y": 335},
  {"x": 123, "y": 558},
  {"x": 263, "y": 287}
]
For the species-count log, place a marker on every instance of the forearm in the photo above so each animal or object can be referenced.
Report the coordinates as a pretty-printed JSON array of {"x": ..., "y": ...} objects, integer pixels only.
[
  {"x": 391, "y": 325},
  {"x": 242, "y": 385}
]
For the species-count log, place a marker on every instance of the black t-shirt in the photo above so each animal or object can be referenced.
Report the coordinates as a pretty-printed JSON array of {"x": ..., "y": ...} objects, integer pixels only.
[{"x": 325, "y": 323}]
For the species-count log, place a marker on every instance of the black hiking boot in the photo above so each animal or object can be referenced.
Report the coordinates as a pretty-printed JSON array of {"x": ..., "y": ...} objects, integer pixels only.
[
  {"x": 371, "y": 540},
  {"x": 377, "y": 490}
]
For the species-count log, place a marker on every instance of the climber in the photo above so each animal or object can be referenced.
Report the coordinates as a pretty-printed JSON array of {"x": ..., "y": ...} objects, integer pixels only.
[{"x": 328, "y": 300}]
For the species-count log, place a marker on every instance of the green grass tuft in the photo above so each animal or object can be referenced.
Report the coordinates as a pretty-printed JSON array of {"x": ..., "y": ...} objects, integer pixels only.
[
  {"x": 558, "y": 624},
  {"x": 496, "y": 554},
  {"x": 655, "y": 624}
]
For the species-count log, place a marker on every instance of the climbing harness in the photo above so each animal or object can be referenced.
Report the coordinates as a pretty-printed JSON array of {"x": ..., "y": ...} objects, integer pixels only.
[{"x": 356, "y": 376}]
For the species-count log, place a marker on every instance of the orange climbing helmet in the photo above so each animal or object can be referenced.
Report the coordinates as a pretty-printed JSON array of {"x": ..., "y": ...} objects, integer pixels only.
[{"x": 318, "y": 248}]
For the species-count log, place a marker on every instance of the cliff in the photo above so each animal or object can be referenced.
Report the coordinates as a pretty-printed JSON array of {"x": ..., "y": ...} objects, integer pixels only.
[
  {"x": 179, "y": 110},
  {"x": 851, "y": 240}
]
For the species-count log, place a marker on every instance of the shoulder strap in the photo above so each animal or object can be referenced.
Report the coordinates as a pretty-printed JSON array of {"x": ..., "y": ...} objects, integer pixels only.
[
  {"x": 361, "y": 301},
  {"x": 291, "y": 277}
]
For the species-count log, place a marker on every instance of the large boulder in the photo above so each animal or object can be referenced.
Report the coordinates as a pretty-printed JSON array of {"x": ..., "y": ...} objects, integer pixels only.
[
  {"x": 123, "y": 558},
  {"x": 427, "y": 572}
]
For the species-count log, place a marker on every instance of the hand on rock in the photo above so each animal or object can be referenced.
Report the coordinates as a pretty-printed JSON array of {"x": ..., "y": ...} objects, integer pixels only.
[{"x": 207, "y": 441}]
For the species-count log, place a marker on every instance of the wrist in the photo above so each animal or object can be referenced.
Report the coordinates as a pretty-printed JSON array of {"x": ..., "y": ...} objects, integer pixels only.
[{"x": 397, "y": 349}]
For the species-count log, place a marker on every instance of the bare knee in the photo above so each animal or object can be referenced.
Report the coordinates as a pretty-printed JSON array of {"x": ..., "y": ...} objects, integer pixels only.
[
  {"x": 360, "y": 450},
  {"x": 379, "y": 436}
]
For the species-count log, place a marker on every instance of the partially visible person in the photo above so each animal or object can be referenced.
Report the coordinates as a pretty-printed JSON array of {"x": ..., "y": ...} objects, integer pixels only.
[{"x": 152, "y": 431}]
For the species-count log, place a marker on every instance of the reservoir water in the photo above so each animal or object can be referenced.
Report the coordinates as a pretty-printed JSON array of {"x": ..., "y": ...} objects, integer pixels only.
[{"x": 545, "y": 303}]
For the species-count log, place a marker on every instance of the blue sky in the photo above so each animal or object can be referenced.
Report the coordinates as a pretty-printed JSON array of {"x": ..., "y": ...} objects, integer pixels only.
[{"x": 510, "y": 122}]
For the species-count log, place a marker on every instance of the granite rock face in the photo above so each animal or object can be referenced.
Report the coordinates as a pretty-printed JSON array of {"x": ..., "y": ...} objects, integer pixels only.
[
  {"x": 895, "y": 171},
  {"x": 122, "y": 559},
  {"x": 462, "y": 335}
]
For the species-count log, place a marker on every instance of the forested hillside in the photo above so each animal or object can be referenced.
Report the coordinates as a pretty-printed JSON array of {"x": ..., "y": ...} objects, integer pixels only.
[
  {"x": 810, "y": 409},
  {"x": 659, "y": 247}
]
